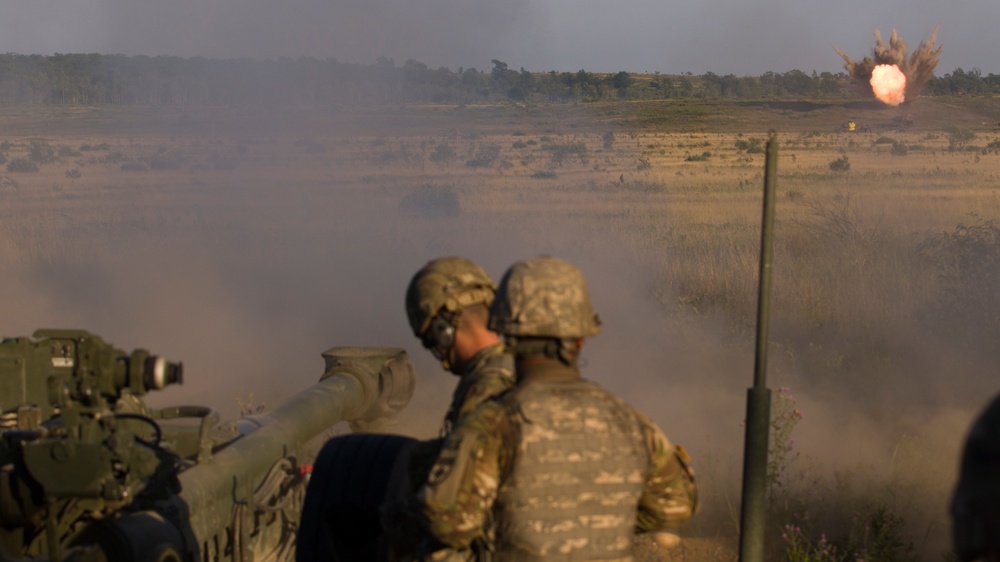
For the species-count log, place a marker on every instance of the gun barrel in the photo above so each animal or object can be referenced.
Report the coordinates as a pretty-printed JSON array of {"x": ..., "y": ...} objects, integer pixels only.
[{"x": 354, "y": 389}]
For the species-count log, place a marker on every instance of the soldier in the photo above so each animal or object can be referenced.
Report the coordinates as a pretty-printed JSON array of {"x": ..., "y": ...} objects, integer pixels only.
[
  {"x": 975, "y": 507},
  {"x": 556, "y": 468},
  {"x": 447, "y": 304}
]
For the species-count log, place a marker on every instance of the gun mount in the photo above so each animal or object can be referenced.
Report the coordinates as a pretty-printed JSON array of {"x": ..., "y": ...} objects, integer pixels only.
[{"x": 89, "y": 472}]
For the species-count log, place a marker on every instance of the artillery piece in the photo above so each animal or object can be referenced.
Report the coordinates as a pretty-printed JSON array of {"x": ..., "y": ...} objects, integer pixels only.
[{"x": 89, "y": 472}]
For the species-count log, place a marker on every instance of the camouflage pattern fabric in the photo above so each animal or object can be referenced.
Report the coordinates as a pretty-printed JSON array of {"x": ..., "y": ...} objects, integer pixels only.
[
  {"x": 472, "y": 478},
  {"x": 488, "y": 374},
  {"x": 975, "y": 506},
  {"x": 544, "y": 297}
]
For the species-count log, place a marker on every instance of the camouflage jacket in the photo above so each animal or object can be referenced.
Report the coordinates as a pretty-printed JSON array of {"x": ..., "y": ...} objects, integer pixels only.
[
  {"x": 488, "y": 374},
  {"x": 479, "y": 456}
]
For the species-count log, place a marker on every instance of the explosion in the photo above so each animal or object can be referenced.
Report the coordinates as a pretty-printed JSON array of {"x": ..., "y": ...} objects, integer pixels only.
[
  {"x": 889, "y": 84},
  {"x": 913, "y": 73}
]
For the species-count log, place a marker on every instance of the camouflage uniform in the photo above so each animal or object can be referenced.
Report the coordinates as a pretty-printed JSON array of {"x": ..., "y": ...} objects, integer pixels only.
[
  {"x": 556, "y": 468},
  {"x": 444, "y": 286},
  {"x": 975, "y": 507},
  {"x": 488, "y": 374}
]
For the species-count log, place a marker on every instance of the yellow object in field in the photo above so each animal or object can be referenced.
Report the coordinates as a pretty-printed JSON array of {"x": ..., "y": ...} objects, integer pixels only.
[{"x": 850, "y": 126}]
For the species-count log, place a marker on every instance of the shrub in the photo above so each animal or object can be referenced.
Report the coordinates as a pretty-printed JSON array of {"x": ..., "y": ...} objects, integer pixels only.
[
  {"x": 73, "y": 173},
  {"x": 21, "y": 166},
  {"x": 431, "y": 202},
  {"x": 486, "y": 156},
  {"x": 608, "y": 140},
  {"x": 753, "y": 145},
  {"x": 41, "y": 152},
  {"x": 561, "y": 151},
  {"x": 886, "y": 140},
  {"x": 841, "y": 164},
  {"x": 443, "y": 152},
  {"x": 958, "y": 137},
  {"x": 544, "y": 175},
  {"x": 703, "y": 157},
  {"x": 898, "y": 149}
]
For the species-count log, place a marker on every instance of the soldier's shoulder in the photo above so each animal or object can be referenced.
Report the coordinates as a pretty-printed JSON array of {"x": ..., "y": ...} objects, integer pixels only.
[
  {"x": 497, "y": 360},
  {"x": 486, "y": 413}
]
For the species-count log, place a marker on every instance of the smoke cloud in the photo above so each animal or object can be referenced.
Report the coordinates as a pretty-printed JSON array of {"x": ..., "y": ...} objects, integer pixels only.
[{"x": 917, "y": 69}]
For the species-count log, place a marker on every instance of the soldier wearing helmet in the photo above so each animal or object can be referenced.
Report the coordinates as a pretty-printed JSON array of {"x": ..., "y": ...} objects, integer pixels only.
[
  {"x": 557, "y": 467},
  {"x": 975, "y": 506},
  {"x": 447, "y": 304}
]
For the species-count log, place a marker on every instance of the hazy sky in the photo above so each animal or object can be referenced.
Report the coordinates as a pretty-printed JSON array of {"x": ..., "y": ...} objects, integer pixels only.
[{"x": 721, "y": 36}]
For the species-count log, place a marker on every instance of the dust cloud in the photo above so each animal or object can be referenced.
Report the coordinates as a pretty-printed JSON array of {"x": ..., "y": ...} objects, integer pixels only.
[
  {"x": 247, "y": 282},
  {"x": 917, "y": 69}
]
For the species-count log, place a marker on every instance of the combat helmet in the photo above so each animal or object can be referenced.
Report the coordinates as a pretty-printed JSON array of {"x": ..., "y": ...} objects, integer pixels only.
[
  {"x": 975, "y": 505},
  {"x": 445, "y": 284},
  {"x": 544, "y": 297}
]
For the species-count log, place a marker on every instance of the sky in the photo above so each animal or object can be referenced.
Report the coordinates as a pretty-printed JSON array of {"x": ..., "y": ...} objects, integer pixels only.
[{"x": 720, "y": 36}]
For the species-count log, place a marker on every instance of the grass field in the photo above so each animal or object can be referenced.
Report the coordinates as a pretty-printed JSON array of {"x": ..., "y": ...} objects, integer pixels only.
[{"x": 246, "y": 241}]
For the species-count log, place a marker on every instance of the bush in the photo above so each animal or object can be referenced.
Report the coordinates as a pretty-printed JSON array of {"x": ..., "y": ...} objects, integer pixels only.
[
  {"x": 841, "y": 164},
  {"x": 486, "y": 156},
  {"x": 898, "y": 149},
  {"x": 41, "y": 152},
  {"x": 73, "y": 173},
  {"x": 443, "y": 152},
  {"x": 753, "y": 145},
  {"x": 561, "y": 151},
  {"x": 703, "y": 157},
  {"x": 21, "y": 166},
  {"x": 544, "y": 175},
  {"x": 958, "y": 137},
  {"x": 431, "y": 202}
]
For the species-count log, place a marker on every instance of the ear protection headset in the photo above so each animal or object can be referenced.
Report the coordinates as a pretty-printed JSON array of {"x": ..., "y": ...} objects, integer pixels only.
[{"x": 440, "y": 336}]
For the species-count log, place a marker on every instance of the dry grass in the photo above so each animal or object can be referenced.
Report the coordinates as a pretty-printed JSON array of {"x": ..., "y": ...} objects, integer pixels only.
[{"x": 850, "y": 284}]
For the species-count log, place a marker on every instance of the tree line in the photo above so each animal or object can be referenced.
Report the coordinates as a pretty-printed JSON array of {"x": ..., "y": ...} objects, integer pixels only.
[{"x": 94, "y": 79}]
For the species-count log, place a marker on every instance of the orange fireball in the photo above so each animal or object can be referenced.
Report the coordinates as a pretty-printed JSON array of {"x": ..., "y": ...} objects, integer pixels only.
[{"x": 889, "y": 84}]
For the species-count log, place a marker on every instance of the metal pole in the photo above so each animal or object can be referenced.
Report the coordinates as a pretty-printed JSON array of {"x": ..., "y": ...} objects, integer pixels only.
[{"x": 753, "y": 515}]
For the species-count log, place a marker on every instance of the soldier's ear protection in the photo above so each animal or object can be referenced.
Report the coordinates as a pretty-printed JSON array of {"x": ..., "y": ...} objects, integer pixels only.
[{"x": 439, "y": 337}]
